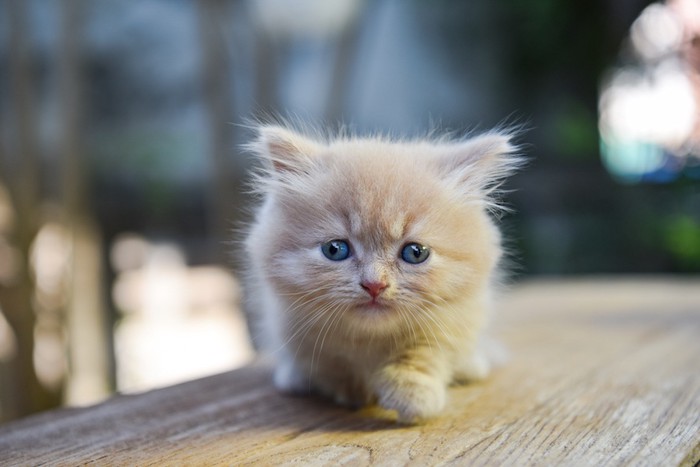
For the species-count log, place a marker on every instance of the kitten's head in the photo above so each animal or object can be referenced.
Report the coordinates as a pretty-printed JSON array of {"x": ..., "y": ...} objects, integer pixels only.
[{"x": 375, "y": 231}]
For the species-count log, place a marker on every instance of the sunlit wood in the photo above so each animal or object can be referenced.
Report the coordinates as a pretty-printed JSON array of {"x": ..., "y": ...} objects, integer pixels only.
[{"x": 601, "y": 372}]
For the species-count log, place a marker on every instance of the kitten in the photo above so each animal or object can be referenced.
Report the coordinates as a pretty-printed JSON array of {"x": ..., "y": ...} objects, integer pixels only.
[{"x": 373, "y": 261}]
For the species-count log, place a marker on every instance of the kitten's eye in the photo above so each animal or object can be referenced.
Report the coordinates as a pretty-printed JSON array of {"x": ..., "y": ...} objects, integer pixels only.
[
  {"x": 415, "y": 253},
  {"x": 336, "y": 250}
]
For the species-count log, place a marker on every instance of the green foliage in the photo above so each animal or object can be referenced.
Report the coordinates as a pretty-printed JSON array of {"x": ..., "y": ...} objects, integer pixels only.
[
  {"x": 147, "y": 153},
  {"x": 682, "y": 240},
  {"x": 575, "y": 132},
  {"x": 551, "y": 35}
]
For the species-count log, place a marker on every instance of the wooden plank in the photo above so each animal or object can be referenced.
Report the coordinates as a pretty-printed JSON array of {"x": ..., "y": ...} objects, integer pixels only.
[{"x": 601, "y": 372}]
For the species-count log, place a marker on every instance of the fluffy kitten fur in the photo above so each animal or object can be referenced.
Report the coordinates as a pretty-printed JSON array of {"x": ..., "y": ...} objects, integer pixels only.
[{"x": 400, "y": 346}]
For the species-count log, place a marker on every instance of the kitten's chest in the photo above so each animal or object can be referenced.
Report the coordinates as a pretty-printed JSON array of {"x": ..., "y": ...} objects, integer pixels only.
[{"x": 361, "y": 355}]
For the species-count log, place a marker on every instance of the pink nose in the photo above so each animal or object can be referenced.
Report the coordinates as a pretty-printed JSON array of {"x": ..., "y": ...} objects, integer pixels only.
[{"x": 373, "y": 288}]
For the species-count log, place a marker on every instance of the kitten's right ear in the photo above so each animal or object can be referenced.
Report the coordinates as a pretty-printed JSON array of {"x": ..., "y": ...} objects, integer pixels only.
[{"x": 284, "y": 150}]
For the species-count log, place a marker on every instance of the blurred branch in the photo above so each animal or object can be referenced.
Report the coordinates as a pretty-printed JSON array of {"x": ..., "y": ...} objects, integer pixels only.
[
  {"x": 25, "y": 188},
  {"x": 70, "y": 84},
  {"x": 346, "y": 52},
  {"x": 217, "y": 78},
  {"x": 266, "y": 72},
  {"x": 89, "y": 342}
]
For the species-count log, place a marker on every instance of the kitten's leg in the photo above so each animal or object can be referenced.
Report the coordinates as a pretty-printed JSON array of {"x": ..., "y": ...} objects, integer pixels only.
[
  {"x": 473, "y": 367},
  {"x": 289, "y": 377},
  {"x": 344, "y": 388},
  {"x": 415, "y": 385},
  {"x": 330, "y": 379}
]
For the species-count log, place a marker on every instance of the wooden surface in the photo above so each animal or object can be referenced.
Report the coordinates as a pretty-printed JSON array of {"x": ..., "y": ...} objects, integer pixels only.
[{"x": 601, "y": 372}]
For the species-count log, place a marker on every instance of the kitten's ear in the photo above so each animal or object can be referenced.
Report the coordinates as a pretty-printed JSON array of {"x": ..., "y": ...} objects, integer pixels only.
[
  {"x": 482, "y": 162},
  {"x": 284, "y": 150}
]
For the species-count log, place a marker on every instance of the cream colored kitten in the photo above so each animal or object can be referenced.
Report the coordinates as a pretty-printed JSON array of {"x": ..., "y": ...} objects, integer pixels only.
[{"x": 372, "y": 262}]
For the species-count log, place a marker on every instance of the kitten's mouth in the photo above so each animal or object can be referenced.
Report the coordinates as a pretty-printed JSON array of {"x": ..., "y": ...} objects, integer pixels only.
[{"x": 376, "y": 305}]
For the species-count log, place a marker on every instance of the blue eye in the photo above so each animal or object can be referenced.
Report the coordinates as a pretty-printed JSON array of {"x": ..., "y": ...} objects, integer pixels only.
[
  {"x": 336, "y": 250},
  {"x": 415, "y": 253}
]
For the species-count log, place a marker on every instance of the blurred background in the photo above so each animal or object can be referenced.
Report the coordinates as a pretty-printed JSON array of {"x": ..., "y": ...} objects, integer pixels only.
[{"x": 122, "y": 175}]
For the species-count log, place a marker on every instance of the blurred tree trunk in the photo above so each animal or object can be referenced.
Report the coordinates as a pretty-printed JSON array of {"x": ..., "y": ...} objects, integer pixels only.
[
  {"x": 217, "y": 79},
  {"x": 23, "y": 394},
  {"x": 90, "y": 375}
]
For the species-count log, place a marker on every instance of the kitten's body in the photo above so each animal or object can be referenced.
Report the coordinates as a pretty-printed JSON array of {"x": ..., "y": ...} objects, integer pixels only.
[{"x": 373, "y": 326}]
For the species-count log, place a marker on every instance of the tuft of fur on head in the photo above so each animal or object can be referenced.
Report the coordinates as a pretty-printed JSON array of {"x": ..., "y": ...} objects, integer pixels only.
[{"x": 379, "y": 195}]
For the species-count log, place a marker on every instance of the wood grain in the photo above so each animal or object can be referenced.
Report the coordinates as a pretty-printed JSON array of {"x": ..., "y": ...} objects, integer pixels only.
[{"x": 601, "y": 372}]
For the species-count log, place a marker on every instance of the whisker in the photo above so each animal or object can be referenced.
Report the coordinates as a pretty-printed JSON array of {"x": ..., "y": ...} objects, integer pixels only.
[
  {"x": 303, "y": 323},
  {"x": 336, "y": 314},
  {"x": 330, "y": 317},
  {"x": 405, "y": 315},
  {"x": 424, "y": 315},
  {"x": 424, "y": 325}
]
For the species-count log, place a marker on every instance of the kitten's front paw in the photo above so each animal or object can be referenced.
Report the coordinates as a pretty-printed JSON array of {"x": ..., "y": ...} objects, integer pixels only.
[{"x": 415, "y": 396}]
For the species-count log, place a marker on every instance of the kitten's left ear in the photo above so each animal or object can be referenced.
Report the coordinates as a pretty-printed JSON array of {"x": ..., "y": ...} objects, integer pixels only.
[
  {"x": 482, "y": 162},
  {"x": 285, "y": 150}
]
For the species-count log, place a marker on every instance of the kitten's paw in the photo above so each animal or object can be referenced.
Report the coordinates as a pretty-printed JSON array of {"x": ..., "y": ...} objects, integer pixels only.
[
  {"x": 288, "y": 378},
  {"x": 415, "y": 396}
]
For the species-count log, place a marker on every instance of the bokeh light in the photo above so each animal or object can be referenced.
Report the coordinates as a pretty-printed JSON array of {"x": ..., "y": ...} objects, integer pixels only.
[{"x": 649, "y": 106}]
